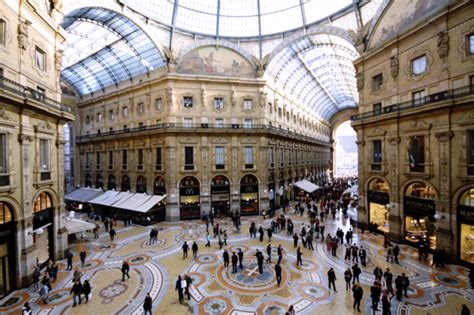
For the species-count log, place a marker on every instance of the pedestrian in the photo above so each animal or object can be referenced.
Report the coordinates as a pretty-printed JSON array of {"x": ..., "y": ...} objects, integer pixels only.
[
  {"x": 188, "y": 281},
  {"x": 259, "y": 261},
  {"x": 386, "y": 303},
  {"x": 348, "y": 278},
  {"x": 152, "y": 236},
  {"x": 269, "y": 253},
  {"x": 234, "y": 262},
  {"x": 269, "y": 234},
  {"x": 241, "y": 258},
  {"x": 178, "y": 287},
  {"x": 112, "y": 234},
  {"x": 96, "y": 231},
  {"x": 465, "y": 310},
  {"x": 299, "y": 257},
  {"x": 280, "y": 253},
  {"x": 82, "y": 256},
  {"x": 208, "y": 237},
  {"x": 26, "y": 309},
  {"x": 399, "y": 287},
  {"x": 260, "y": 231},
  {"x": 396, "y": 252},
  {"x": 332, "y": 279},
  {"x": 378, "y": 273},
  {"x": 357, "y": 294},
  {"x": 36, "y": 278},
  {"x": 194, "y": 248},
  {"x": 125, "y": 270},
  {"x": 86, "y": 290},
  {"x": 54, "y": 271},
  {"x": 291, "y": 310},
  {"x": 375, "y": 293},
  {"x": 76, "y": 292},
  {"x": 295, "y": 240},
  {"x": 406, "y": 284},
  {"x": 225, "y": 238},
  {"x": 388, "y": 276},
  {"x": 44, "y": 293},
  {"x": 356, "y": 271},
  {"x": 390, "y": 253},
  {"x": 278, "y": 273},
  {"x": 225, "y": 257},
  {"x": 185, "y": 248},
  {"x": 219, "y": 240},
  {"x": 70, "y": 255},
  {"x": 147, "y": 305}
]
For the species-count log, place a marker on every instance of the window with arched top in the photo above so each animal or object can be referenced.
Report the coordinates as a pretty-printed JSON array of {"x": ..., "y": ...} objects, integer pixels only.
[
  {"x": 467, "y": 198},
  {"x": 99, "y": 183},
  {"x": 6, "y": 213},
  {"x": 125, "y": 183},
  {"x": 378, "y": 184},
  {"x": 42, "y": 202},
  {"x": 141, "y": 184},
  {"x": 111, "y": 182},
  {"x": 159, "y": 186},
  {"x": 421, "y": 190},
  {"x": 88, "y": 180}
]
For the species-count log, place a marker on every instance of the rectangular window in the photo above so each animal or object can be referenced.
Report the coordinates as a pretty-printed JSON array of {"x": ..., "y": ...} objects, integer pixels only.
[
  {"x": 377, "y": 108},
  {"x": 377, "y": 82},
  {"x": 188, "y": 158},
  {"x": 88, "y": 160},
  {"x": 220, "y": 158},
  {"x": 290, "y": 156},
  {"x": 141, "y": 126},
  {"x": 99, "y": 117},
  {"x": 158, "y": 103},
  {"x": 418, "y": 97},
  {"x": 111, "y": 160},
  {"x": 158, "y": 161},
  {"x": 418, "y": 65},
  {"x": 470, "y": 152},
  {"x": 4, "y": 176},
  {"x": 282, "y": 157},
  {"x": 247, "y": 123},
  {"x": 219, "y": 123},
  {"x": 376, "y": 155},
  {"x": 219, "y": 103},
  {"x": 188, "y": 101},
  {"x": 141, "y": 108},
  {"x": 416, "y": 154},
  {"x": 97, "y": 160},
  {"x": 248, "y": 157},
  {"x": 111, "y": 115},
  {"x": 248, "y": 104},
  {"x": 45, "y": 162},
  {"x": 470, "y": 44},
  {"x": 40, "y": 59},
  {"x": 40, "y": 93},
  {"x": 271, "y": 157},
  {"x": 124, "y": 159},
  {"x": 3, "y": 32},
  {"x": 140, "y": 159},
  {"x": 187, "y": 122},
  {"x": 125, "y": 111}
]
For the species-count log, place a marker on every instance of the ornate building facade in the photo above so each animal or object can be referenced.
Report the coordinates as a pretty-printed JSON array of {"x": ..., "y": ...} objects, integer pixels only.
[
  {"x": 31, "y": 141},
  {"x": 415, "y": 126}
]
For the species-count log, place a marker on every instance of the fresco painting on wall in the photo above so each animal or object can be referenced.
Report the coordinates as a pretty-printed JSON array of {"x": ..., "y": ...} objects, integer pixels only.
[
  {"x": 215, "y": 61},
  {"x": 403, "y": 14}
]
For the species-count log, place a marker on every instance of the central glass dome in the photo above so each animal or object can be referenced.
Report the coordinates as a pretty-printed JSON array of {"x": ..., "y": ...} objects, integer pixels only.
[{"x": 237, "y": 18}]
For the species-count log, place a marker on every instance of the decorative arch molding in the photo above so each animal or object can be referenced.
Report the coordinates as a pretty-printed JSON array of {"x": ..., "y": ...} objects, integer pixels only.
[
  {"x": 371, "y": 178},
  {"x": 407, "y": 182},
  {"x": 217, "y": 175},
  {"x": 15, "y": 207},
  {"x": 213, "y": 42},
  {"x": 323, "y": 29},
  {"x": 458, "y": 193},
  {"x": 258, "y": 180},
  {"x": 183, "y": 177},
  {"x": 342, "y": 116},
  {"x": 52, "y": 194}
]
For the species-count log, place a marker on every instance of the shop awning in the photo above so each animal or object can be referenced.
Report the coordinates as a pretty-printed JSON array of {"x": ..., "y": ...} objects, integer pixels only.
[
  {"x": 352, "y": 190},
  {"x": 118, "y": 198},
  {"x": 307, "y": 186},
  {"x": 78, "y": 226},
  {"x": 150, "y": 203},
  {"x": 105, "y": 198},
  {"x": 133, "y": 202},
  {"x": 83, "y": 194}
]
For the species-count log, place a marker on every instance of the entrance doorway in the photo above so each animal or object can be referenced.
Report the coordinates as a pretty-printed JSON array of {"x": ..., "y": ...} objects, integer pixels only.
[
  {"x": 189, "y": 200},
  {"x": 43, "y": 224},
  {"x": 7, "y": 249},
  {"x": 220, "y": 196},
  {"x": 249, "y": 195}
]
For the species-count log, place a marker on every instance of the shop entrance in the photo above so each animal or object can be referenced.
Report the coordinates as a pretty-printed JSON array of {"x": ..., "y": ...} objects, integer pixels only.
[
  {"x": 249, "y": 195},
  {"x": 378, "y": 198},
  {"x": 7, "y": 249},
  {"x": 43, "y": 227},
  {"x": 220, "y": 196},
  {"x": 189, "y": 200},
  {"x": 466, "y": 227}
]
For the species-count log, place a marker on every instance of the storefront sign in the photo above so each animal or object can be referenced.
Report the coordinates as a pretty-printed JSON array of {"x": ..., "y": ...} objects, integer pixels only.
[
  {"x": 189, "y": 191},
  {"x": 418, "y": 206},
  {"x": 466, "y": 214},
  {"x": 379, "y": 197}
]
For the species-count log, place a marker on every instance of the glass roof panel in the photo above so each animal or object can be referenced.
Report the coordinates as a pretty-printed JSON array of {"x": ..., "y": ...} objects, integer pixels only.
[
  {"x": 316, "y": 10},
  {"x": 286, "y": 12},
  {"x": 199, "y": 16}
]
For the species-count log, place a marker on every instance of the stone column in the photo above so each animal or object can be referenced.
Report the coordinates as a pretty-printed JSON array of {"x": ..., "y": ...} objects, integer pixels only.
[
  {"x": 172, "y": 190},
  {"x": 59, "y": 229},
  {"x": 362, "y": 209},
  {"x": 395, "y": 218},
  {"x": 235, "y": 188},
  {"x": 444, "y": 234},
  {"x": 205, "y": 187}
]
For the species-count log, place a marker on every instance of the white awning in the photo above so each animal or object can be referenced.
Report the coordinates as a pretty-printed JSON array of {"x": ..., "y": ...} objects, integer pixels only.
[
  {"x": 150, "y": 203},
  {"x": 78, "y": 226},
  {"x": 117, "y": 198},
  {"x": 104, "y": 198},
  {"x": 83, "y": 194},
  {"x": 352, "y": 190},
  {"x": 307, "y": 186},
  {"x": 133, "y": 202}
]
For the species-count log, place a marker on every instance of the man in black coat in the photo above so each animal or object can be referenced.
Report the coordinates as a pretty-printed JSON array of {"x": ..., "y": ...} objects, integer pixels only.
[
  {"x": 388, "y": 276},
  {"x": 259, "y": 261},
  {"x": 280, "y": 254},
  {"x": 406, "y": 284},
  {"x": 269, "y": 253},
  {"x": 241, "y": 258},
  {"x": 375, "y": 293},
  {"x": 76, "y": 292},
  {"x": 278, "y": 273},
  {"x": 299, "y": 257},
  {"x": 185, "y": 248},
  {"x": 195, "y": 249},
  {"x": 357, "y": 293},
  {"x": 399, "y": 287},
  {"x": 225, "y": 257},
  {"x": 356, "y": 271},
  {"x": 260, "y": 231},
  {"x": 147, "y": 304},
  {"x": 179, "y": 288},
  {"x": 125, "y": 270},
  {"x": 70, "y": 255},
  {"x": 332, "y": 279},
  {"x": 234, "y": 262}
]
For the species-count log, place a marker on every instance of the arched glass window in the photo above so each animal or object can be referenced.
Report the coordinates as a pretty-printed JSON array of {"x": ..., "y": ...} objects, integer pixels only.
[
  {"x": 88, "y": 180},
  {"x": 42, "y": 202},
  {"x": 5, "y": 213},
  {"x": 125, "y": 183},
  {"x": 141, "y": 184},
  {"x": 421, "y": 190},
  {"x": 159, "y": 186},
  {"x": 467, "y": 198},
  {"x": 111, "y": 182}
]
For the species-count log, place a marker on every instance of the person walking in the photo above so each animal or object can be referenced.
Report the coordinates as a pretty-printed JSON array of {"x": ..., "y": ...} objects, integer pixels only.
[
  {"x": 194, "y": 248},
  {"x": 278, "y": 273},
  {"x": 375, "y": 293},
  {"x": 70, "y": 255},
  {"x": 188, "y": 281},
  {"x": 386, "y": 303},
  {"x": 208, "y": 237},
  {"x": 406, "y": 284},
  {"x": 348, "y": 278},
  {"x": 225, "y": 257},
  {"x": 234, "y": 262},
  {"x": 363, "y": 256},
  {"x": 259, "y": 261},
  {"x": 76, "y": 292},
  {"x": 240, "y": 254},
  {"x": 36, "y": 278},
  {"x": 269, "y": 234},
  {"x": 291, "y": 310},
  {"x": 399, "y": 287},
  {"x": 125, "y": 270},
  {"x": 280, "y": 253},
  {"x": 388, "y": 276},
  {"x": 260, "y": 232},
  {"x": 269, "y": 253},
  {"x": 332, "y": 279},
  {"x": 86, "y": 290},
  {"x": 465, "y": 310},
  {"x": 112, "y": 234},
  {"x": 147, "y": 305},
  {"x": 357, "y": 294},
  {"x": 178, "y": 287},
  {"x": 185, "y": 248},
  {"x": 356, "y": 271},
  {"x": 299, "y": 257},
  {"x": 82, "y": 256},
  {"x": 26, "y": 309},
  {"x": 396, "y": 252},
  {"x": 295, "y": 240}
]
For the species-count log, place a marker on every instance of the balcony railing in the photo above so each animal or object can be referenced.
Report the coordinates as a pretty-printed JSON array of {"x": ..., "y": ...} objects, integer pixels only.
[
  {"x": 207, "y": 127},
  {"x": 32, "y": 94},
  {"x": 419, "y": 102}
]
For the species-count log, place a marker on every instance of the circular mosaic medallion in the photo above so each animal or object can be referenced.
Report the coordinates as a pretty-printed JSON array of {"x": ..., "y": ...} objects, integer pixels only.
[
  {"x": 197, "y": 278},
  {"x": 314, "y": 292},
  {"x": 447, "y": 280},
  {"x": 157, "y": 243},
  {"x": 58, "y": 297},
  {"x": 17, "y": 299},
  {"x": 274, "y": 310},
  {"x": 90, "y": 264},
  {"x": 235, "y": 248},
  {"x": 138, "y": 260},
  {"x": 206, "y": 259},
  {"x": 308, "y": 265},
  {"x": 112, "y": 291},
  {"x": 105, "y": 247},
  {"x": 215, "y": 306},
  {"x": 187, "y": 237}
]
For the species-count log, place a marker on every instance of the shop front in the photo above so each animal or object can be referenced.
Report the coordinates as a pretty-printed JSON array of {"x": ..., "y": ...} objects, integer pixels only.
[
  {"x": 466, "y": 227},
  {"x": 43, "y": 228},
  {"x": 7, "y": 249},
  {"x": 111, "y": 182},
  {"x": 271, "y": 191},
  {"x": 419, "y": 209},
  {"x": 249, "y": 195},
  {"x": 125, "y": 183},
  {"x": 281, "y": 190},
  {"x": 377, "y": 199},
  {"x": 220, "y": 196},
  {"x": 189, "y": 199}
]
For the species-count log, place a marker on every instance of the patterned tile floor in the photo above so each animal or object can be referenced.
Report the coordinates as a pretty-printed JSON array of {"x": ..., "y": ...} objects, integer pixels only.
[{"x": 216, "y": 290}]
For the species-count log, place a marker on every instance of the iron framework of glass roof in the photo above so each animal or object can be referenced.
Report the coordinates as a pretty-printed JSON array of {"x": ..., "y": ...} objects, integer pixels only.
[
  {"x": 104, "y": 48},
  {"x": 236, "y": 18}
]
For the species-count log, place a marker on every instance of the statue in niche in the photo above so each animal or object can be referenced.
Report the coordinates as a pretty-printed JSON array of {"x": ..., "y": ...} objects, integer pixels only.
[
  {"x": 233, "y": 99},
  {"x": 443, "y": 44},
  {"x": 57, "y": 5},
  {"x": 394, "y": 66},
  {"x": 23, "y": 34},
  {"x": 170, "y": 55},
  {"x": 360, "y": 80},
  {"x": 263, "y": 98},
  {"x": 58, "y": 59},
  {"x": 169, "y": 96}
]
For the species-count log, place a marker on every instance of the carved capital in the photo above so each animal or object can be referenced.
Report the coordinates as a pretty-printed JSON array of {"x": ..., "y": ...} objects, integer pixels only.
[
  {"x": 444, "y": 136},
  {"x": 22, "y": 138}
]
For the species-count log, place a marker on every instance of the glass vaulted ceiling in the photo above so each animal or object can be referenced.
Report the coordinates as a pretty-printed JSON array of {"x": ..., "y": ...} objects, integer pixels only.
[
  {"x": 236, "y": 18},
  {"x": 317, "y": 70},
  {"x": 104, "y": 48}
]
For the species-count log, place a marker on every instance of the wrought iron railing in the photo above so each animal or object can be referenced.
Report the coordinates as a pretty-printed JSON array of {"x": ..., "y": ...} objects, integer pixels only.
[
  {"x": 418, "y": 102},
  {"x": 32, "y": 94}
]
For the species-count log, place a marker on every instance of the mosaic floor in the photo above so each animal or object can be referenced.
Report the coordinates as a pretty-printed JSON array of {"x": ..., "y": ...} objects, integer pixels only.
[{"x": 216, "y": 290}]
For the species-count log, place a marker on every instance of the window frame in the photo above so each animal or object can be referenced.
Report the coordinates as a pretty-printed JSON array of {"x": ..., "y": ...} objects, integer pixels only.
[
  {"x": 41, "y": 65},
  {"x": 125, "y": 111},
  {"x": 124, "y": 159},
  {"x": 188, "y": 102},
  {"x": 376, "y": 86},
  {"x": 188, "y": 122},
  {"x": 189, "y": 158},
  {"x": 158, "y": 103},
  {"x": 247, "y": 124},
  {"x": 158, "y": 159},
  {"x": 377, "y": 155},
  {"x": 218, "y": 103},
  {"x": 111, "y": 159},
  {"x": 140, "y": 159},
  {"x": 248, "y": 101},
  {"x": 419, "y": 154},
  {"x": 3, "y": 32},
  {"x": 413, "y": 65},
  {"x": 248, "y": 157},
  {"x": 98, "y": 163},
  {"x": 470, "y": 152},
  {"x": 219, "y": 156},
  {"x": 469, "y": 44}
]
